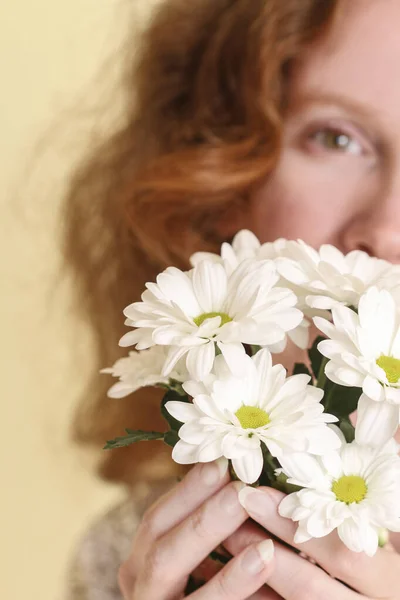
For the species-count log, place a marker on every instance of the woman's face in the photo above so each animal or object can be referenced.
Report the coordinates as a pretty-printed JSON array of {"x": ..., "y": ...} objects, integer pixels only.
[{"x": 338, "y": 179}]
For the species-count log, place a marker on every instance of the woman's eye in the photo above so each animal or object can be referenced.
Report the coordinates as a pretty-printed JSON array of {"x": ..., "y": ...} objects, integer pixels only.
[{"x": 337, "y": 140}]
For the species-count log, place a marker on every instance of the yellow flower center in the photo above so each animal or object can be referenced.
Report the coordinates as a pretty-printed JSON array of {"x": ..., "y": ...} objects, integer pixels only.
[
  {"x": 391, "y": 366},
  {"x": 251, "y": 417},
  {"x": 350, "y": 488},
  {"x": 224, "y": 318}
]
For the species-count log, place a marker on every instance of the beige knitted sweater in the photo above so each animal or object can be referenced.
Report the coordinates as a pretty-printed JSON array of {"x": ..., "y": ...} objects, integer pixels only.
[{"x": 93, "y": 569}]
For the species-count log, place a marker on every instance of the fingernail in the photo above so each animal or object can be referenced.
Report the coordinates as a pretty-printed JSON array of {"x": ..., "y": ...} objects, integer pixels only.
[
  {"x": 254, "y": 501},
  {"x": 230, "y": 498},
  {"x": 213, "y": 472},
  {"x": 258, "y": 556}
]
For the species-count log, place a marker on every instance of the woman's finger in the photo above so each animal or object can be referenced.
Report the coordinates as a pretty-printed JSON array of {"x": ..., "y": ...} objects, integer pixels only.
[
  {"x": 198, "y": 485},
  {"x": 293, "y": 577},
  {"x": 374, "y": 576},
  {"x": 265, "y": 593},
  {"x": 189, "y": 543},
  {"x": 242, "y": 576}
]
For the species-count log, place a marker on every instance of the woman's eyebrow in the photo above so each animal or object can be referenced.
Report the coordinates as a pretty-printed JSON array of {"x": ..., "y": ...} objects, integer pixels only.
[
  {"x": 355, "y": 109},
  {"x": 334, "y": 99}
]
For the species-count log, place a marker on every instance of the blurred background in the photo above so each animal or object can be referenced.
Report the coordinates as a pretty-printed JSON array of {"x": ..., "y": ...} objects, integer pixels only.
[{"x": 60, "y": 63}]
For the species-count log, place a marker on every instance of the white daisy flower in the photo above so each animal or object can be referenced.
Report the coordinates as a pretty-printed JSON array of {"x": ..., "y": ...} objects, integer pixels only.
[
  {"x": 355, "y": 490},
  {"x": 194, "y": 312},
  {"x": 245, "y": 245},
  {"x": 328, "y": 277},
  {"x": 233, "y": 416},
  {"x": 364, "y": 351},
  {"x": 142, "y": 369}
]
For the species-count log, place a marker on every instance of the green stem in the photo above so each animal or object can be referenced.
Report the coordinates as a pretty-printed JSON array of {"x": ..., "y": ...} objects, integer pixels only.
[
  {"x": 328, "y": 396},
  {"x": 321, "y": 377}
]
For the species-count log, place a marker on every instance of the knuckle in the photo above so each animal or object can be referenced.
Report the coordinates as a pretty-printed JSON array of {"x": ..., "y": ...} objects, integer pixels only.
[
  {"x": 311, "y": 589},
  {"x": 148, "y": 524},
  {"x": 155, "y": 565},
  {"x": 346, "y": 563},
  {"x": 225, "y": 585},
  {"x": 199, "y": 523}
]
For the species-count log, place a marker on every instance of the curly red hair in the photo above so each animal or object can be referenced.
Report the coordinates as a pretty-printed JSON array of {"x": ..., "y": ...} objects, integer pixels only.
[{"x": 208, "y": 92}]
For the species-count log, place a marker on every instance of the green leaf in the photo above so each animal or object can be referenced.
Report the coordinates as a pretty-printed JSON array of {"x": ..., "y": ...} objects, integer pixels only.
[
  {"x": 348, "y": 431},
  {"x": 316, "y": 357},
  {"x": 171, "y": 438},
  {"x": 300, "y": 369},
  {"x": 269, "y": 467},
  {"x": 281, "y": 484},
  {"x": 133, "y": 437},
  {"x": 341, "y": 401},
  {"x": 254, "y": 349},
  {"x": 173, "y": 385},
  {"x": 173, "y": 395}
]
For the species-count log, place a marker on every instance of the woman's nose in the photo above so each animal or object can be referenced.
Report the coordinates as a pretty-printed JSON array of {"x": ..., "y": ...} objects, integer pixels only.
[
  {"x": 377, "y": 230},
  {"x": 381, "y": 240}
]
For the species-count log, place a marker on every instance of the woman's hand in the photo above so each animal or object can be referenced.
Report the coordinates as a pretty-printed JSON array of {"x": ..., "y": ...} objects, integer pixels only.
[
  {"x": 295, "y": 578},
  {"x": 180, "y": 530}
]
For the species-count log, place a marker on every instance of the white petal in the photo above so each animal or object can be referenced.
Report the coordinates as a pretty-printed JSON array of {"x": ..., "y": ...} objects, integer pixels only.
[
  {"x": 193, "y": 432},
  {"x": 175, "y": 353},
  {"x": 373, "y": 389},
  {"x": 198, "y": 257},
  {"x": 200, "y": 360},
  {"x": 302, "y": 467},
  {"x": 234, "y": 355},
  {"x": 210, "y": 449},
  {"x": 246, "y": 244},
  {"x": 248, "y": 468},
  {"x": 330, "y": 348},
  {"x": 325, "y": 326},
  {"x": 177, "y": 287},
  {"x": 317, "y": 524},
  {"x": 301, "y": 335},
  {"x": 121, "y": 390},
  {"x": 346, "y": 320},
  {"x": 358, "y": 538},
  {"x": 343, "y": 375},
  {"x": 210, "y": 286},
  {"x": 288, "y": 505},
  {"x": 322, "y": 440},
  {"x": 377, "y": 312},
  {"x": 377, "y": 422},
  {"x": 291, "y": 270},
  {"x": 166, "y": 335},
  {"x": 207, "y": 405},
  {"x": 320, "y": 302},
  {"x": 301, "y": 535},
  {"x": 333, "y": 464},
  {"x": 194, "y": 388},
  {"x": 230, "y": 446},
  {"x": 370, "y": 539},
  {"x": 185, "y": 454},
  {"x": 182, "y": 411},
  {"x": 333, "y": 256},
  {"x": 133, "y": 337}
]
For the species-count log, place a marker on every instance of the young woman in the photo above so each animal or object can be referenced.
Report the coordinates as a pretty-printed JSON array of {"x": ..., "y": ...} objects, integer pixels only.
[{"x": 280, "y": 116}]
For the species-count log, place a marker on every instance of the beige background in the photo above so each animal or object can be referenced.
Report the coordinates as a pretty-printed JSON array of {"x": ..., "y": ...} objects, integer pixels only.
[{"x": 50, "y": 51}]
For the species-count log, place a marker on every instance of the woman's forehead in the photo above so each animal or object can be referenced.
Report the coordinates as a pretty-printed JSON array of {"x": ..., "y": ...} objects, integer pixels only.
[{"x": 357, "y": 62}]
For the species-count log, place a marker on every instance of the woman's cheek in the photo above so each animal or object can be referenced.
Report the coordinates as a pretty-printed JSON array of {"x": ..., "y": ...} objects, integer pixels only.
[{"x": 306, "y": 198}]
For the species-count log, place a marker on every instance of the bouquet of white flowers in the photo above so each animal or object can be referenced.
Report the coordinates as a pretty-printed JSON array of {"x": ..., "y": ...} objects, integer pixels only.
[{"x": 207, "y": 335}]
